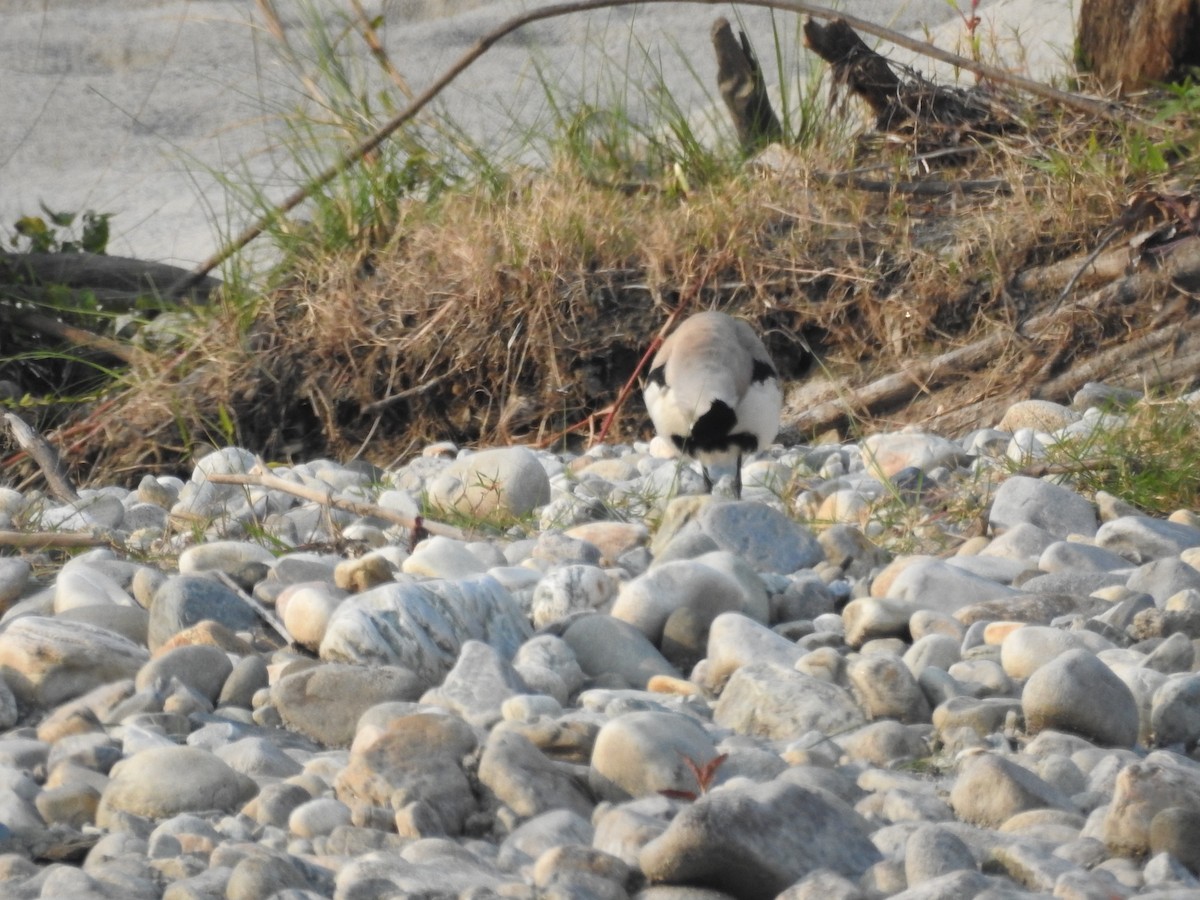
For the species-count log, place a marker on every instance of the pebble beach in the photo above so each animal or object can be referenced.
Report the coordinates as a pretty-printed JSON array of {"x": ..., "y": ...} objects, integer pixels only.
[{"x": 610, "y": 684}]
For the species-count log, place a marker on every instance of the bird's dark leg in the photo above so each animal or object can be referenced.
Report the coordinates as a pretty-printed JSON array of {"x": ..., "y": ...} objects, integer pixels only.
[
  {"x": 737, "y": 478},
  {"x": 708, "y": 482}
]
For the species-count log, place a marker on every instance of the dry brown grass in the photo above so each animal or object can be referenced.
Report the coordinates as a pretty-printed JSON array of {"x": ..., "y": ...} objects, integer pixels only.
[{"x": 493, "y": 316}]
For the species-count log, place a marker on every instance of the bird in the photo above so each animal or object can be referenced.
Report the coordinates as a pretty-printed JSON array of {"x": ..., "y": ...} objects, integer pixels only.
[{"x": 713, "y": 391}]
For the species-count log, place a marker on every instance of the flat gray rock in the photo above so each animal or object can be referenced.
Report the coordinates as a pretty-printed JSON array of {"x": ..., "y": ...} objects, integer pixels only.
[
  {"x": 1162, "y": 578},
  {"x": 605, "y": 646},
  {"x": 646, "y": 602},
  {"x": 761, "y": 535},
  {"x": 1072, "y": 556},
  {"x": 767, "y": 700},
  {"x": 532, "y": 838},
  {"x": 1078, "y": 693},
  {"x": 184, "y": 600},
  {"x": 1051, "y": 507},
  {"x": 735, "y": 641},
  {"x": 1040, "y": 608},
  {"x": 525, "y": 780},
  {"x": 478, "y": 685},
  {"x": 1141, "y": 539},
  {"x": 325, "y": 701},
  {"x": 755, "y": 841},
  {"x": 165, "y": 781},
  {"x": 48, "y": 661},
  {"x": 201, "y": 667},
  {"x": 931, "y": 583}
]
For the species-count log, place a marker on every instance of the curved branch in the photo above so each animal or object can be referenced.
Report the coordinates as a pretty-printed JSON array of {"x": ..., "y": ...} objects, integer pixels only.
[{"x": 481, "y": 46}]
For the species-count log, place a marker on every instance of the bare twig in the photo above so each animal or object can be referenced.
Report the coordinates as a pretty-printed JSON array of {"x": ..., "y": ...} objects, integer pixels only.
[
  {"x": 263, "y": 613},
  {"x": 385, "y": 402},
  {"x": 275, "y": 483},
  {"x": 480, "y": 47},
  {"x": 37, "y": 540},
  {"x": 43, "y": 453},
  {"x": 1108, "y": 365},
  {"x": 1089, "y": 269},
  {"x": 939, "y": 188},
  {"x": 80, "y": 337},
  {"x": 371, "y": 36}
]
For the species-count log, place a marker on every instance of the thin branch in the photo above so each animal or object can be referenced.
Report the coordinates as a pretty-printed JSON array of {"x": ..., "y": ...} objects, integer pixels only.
[
  {"x": 43, "y": 453},
  {"x": 385, "y": 402},
  {"x": 365, "y": 148},
  {"x": 316, "y": 495},
  {"x": 80, "y": 337},
  {"x": 263, "y": 613},
  {"x": 38, "y": 540},
  {"x": 938, "y": 188}
]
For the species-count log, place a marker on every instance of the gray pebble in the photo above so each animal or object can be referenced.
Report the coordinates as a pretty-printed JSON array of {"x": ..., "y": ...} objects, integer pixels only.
[
  {"x": 1051, "y": 507},
  {"x": 325, "y": 701},
  {"x": 931, "y": 852},
  {"x": 1076, "y": 692}
]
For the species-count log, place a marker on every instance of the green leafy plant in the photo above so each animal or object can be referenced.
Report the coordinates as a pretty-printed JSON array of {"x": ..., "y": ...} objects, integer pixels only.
[{"x": 62, "y": 232}]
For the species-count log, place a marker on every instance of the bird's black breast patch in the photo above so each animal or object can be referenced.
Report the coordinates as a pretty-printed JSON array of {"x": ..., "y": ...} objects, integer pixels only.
[
  {"x": 713, "y": 432},
  {"x": 657, "y": 376},
  {"x": 762, "y": 371}
]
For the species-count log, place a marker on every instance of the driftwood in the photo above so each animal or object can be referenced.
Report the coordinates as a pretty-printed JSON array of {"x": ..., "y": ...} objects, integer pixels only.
[
  {"x": 939, "y": 187},
  {"x": 47, "y": 458},
  {"x": 116, "y": 281},
  {"x": 113, "y": 283},
  {"x": 893, "y": 101},
  {"x": 1111, "y": 363},
  {"x": 884, "y": 393},
  {"x": 742, "y": 87},
  {"x": 72, "y": 334},
  {"x": 275, "y": 483},
  {"x": 1078, "y": 270},
  {"x": 41, "y": 540},
  {"x": 1131, "y": 44}
]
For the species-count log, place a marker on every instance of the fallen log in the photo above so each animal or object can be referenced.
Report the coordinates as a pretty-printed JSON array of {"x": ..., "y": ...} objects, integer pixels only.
[
  {"x": 849, "y": 402},
  {"x": 117, "y": 281}
]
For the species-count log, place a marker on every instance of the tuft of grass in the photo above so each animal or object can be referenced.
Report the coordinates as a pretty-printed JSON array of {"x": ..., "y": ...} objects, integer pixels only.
[{"x": 1148, "y": 456}]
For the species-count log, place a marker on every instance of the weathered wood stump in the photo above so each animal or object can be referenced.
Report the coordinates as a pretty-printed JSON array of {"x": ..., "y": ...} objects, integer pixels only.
[{"x": 1132, "y": 44}]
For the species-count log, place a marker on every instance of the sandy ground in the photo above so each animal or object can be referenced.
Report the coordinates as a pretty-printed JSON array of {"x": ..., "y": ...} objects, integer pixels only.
[{"x": 152, "y": 110}]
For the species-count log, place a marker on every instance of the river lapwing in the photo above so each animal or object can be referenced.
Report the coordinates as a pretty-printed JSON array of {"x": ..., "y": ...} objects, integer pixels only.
[{"x": 714, "y": 393}]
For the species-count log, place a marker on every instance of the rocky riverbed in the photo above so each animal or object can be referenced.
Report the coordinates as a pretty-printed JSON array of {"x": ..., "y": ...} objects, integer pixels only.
[{"x": 600, "y": 693}]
